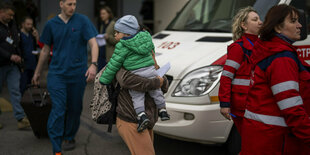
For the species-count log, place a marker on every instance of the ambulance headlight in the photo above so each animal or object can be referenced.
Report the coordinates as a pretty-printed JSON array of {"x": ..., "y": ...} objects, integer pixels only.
[{"x": 199, "y": 82}]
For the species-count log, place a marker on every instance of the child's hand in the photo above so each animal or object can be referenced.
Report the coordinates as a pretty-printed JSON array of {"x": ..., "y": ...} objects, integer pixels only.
[{"x": 106, "y": 36}]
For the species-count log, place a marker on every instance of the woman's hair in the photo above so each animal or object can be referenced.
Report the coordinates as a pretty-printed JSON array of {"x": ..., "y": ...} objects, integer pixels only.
[
  {"x": 241, "y": 16},
  {"x": 109, "y": 11},
  {"x": 275, "y": 17}
]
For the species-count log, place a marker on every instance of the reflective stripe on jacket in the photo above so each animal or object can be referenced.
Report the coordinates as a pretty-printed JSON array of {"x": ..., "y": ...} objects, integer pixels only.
[
  {"x": 276, "y": 113},
  {"x": 235, "y": 79}
]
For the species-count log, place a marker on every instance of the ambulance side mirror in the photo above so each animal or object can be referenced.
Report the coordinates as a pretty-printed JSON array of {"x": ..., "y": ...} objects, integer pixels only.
[{"x": 303, "y": 21}]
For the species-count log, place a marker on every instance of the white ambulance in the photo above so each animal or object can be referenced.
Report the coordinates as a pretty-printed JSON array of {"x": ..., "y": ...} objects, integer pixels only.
[{"x": 195, "y": 43}]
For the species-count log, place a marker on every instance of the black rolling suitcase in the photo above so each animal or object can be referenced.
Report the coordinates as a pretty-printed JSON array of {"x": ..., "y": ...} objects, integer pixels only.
[{"x": 37, "y": 106}]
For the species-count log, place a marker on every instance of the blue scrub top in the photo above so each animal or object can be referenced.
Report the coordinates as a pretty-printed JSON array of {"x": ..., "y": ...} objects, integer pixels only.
[
  {"x": 27, "y": 43},
  {"x": 69, "y": 44}
]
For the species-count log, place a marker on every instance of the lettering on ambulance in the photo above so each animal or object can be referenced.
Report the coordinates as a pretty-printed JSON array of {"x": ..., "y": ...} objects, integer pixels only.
[
  {"x": 303, "y": 52},
  {"x": 168, "y": 45}
]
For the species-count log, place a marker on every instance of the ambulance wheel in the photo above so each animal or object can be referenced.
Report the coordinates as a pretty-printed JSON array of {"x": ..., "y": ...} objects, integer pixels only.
[{"x": 233, "y": 142}]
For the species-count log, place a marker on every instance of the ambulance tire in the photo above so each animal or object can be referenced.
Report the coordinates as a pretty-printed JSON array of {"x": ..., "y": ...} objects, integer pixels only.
[{"x": 233, "y": 142}]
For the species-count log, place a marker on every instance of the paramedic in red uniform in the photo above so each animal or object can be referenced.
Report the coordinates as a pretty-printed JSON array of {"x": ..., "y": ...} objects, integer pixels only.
[
  {"x": 235, "y": 79},
  {"x": 276, "y": 119}
]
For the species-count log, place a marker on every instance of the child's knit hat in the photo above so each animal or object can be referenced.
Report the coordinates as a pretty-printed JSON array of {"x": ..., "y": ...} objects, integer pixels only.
[{"x": 127, "y": 24}]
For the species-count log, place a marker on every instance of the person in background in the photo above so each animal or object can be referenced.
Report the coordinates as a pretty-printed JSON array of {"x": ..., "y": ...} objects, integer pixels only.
[
  {"x": 11, "y": 61},
  {"x": 276, "y": 119},
  {"x": 235, "y": 80},
  {"x": 29, "y": 37},
  {"x": 106, "y": 27},
  {"x": 69, "y": 33}
]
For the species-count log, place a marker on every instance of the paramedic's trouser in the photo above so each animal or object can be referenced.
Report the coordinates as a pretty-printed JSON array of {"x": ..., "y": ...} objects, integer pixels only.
[
  {"x": 139, "y": 97},
  {"x": 67, "y": 100}
]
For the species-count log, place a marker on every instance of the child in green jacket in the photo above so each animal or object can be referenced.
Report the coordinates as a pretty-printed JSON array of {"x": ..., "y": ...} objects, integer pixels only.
[{"x": 134, "y": 53}]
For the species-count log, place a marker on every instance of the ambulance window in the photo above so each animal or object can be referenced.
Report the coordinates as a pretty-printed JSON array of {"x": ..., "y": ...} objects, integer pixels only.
[
  {"x": 208, "y": 15},
  {"x": 304, "y": 5},
  {"x": 263, "y": 6}
]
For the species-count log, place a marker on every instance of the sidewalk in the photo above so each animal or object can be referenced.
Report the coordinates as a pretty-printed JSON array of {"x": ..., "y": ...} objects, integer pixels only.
[{"x": 91, "y": 138}]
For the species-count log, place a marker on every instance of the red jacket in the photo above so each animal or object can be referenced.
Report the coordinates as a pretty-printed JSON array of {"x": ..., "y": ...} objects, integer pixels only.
[
  {"x": 235, "y": 79},
  {"x": 276, "y": 119},
  {"x": 51, "y": 52}
]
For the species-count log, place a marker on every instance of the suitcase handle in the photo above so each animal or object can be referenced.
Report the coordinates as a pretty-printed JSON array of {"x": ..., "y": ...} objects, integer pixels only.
[
  {"x": 32, "y": 86},
  {"x": 42, "y": 95}
]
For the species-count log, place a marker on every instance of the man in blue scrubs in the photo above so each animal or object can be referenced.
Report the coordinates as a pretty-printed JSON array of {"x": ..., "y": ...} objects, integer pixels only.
[{"x": 69, "y": 34}]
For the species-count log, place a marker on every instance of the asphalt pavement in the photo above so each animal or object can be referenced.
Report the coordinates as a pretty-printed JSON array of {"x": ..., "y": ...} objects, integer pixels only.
[{"x": 91, "y": 139}]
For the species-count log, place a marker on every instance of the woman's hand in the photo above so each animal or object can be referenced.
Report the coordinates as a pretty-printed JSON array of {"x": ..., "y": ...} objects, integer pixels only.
[
  {"x": 226, "y": 113},
  {"x": 156, "y": 66},
  {"x": 106, "y": 36},
  {"x": 161, "y": 81}
]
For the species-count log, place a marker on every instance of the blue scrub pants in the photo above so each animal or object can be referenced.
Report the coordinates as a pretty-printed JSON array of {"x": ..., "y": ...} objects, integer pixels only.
[
  {"x": 11, "y": 74},
  {"x": 67, "y": 101}
]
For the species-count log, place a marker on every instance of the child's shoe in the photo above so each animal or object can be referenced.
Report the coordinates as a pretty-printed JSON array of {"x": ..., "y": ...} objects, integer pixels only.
[
  {"x": 164, "y": 116},
  {"x": 143, "y": 121}
]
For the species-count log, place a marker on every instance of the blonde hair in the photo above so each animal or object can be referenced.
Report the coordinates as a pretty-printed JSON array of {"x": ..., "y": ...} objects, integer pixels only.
[{"x": 241, "y": 16}]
